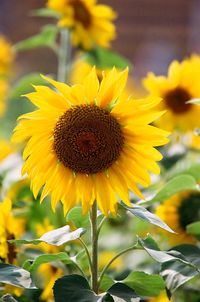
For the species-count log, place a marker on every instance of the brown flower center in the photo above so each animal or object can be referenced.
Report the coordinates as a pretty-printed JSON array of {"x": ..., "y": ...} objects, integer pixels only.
[
  {"x": 176, "y": 100},
  {"x": 81, "y": 12},
  {"x": 87, "y": 139}
]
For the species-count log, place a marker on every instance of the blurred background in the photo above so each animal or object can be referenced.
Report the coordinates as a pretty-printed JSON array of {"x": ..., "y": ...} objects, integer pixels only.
[{"x": 150, "y": 32}]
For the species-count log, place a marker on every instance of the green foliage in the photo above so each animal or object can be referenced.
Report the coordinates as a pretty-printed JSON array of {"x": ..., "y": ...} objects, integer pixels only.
[
  {"x": 194, "y": 229},
  {"x": 144, "y": 284},
  {"x": 76, "y": 217},
  {"x": 76, "y": 288},
  {"x": 46, "y": 38},
  {"x": 32, "y": 265},
  {"x": 105, "y": 58},
  {"x": 106, "y": 283},
  {"x": 55, "y": 237},
  {"x": 144, "y": 214},
  {"x": 11, "y": 274},
  {"x": 177, "y": 184},
  {"x": 45, "y": 12}
]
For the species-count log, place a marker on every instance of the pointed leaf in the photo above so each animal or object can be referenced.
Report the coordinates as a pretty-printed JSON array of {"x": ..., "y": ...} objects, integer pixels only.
[
  {"x": 144, "y": 214},
  {"x": 11, "y": 274}
]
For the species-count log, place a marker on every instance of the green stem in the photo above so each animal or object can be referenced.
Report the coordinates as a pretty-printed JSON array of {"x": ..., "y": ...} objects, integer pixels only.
[
  {"x": 87, "y": 253},
  {"x": 94, "y": 238},
  {"x": 64, "y": 54},
  {"x": 112, "y": 260},
  {"x": 100, "y": 225}
]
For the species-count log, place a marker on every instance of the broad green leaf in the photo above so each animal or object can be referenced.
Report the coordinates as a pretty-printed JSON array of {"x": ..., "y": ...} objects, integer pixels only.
[
  {"x": 177, "y": 184},
  {"x": 46, "y": 38},
  {"x": 185, "y": 166},
  {"x": 55, "y": 237},
  {"x": 194, "y": 101},
  {"x": 105, "y": 58},
  {"x": 177, "y": 266},
  {"x": 144, "y": 284},
  {"x": 144, "y": 214},
  {"x": 122, "y": 293},
  {"x": 106, "y": 283},
  {"x": 45, "y": 12},
  {"x": 11, "y": 274},
  {"x": 177, "y": 273},
  {"x": 76, "y": 217},
  {"x": 194, "y": 229},
  {"x": 76, "y": 288},
  {"x": 24, "y": 85},
  {"x": 46, "y": 258}
]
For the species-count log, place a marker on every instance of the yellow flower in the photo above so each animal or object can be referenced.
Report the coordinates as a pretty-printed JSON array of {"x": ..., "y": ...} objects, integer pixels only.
[
  {"x": 3, "y": 94},
  {"x": 6, "y": 56},
  {"x": 90, "y": 23},
  {"x": 106, "y": 256},
  {"x": 6, "y": 149},
  {"x": 86, "y": 143},
  {"x": 161, "y": 298},
  {"x": 50, "y": 274},
  {"x": 177, "y": 88},
  {"x": 10, "y": 228},
  {"x": 179, "y": 211}
]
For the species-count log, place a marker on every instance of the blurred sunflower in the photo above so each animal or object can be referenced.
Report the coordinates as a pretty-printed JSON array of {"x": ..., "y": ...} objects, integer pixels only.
[
  {"x": 10, "y": 228},
  {"x": 161, "y": 298},
  {"x": 177, "y": 88},
  {"x": 6, "y": 148},
  {"x": 179, "y": 211},
  {"x": 86, "y": 143},
  {"x": 90, "y": 23},
  {"x": 3, "y": 94},
  {"x": 6, "y": 57}
]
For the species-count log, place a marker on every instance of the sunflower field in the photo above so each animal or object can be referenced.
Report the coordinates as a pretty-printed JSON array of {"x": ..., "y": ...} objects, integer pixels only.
[{"x": 99, "y": 160}]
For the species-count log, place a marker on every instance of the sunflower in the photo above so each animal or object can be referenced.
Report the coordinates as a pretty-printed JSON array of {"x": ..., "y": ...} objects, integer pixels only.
[
  {"x": 161, "y": 298},
  {"x": 85, "y": 143},
  {"x": 179, "y": 211},
  {"x": 10, "y": 228},
  {"x": 177, "y": 88},
  {"x": 3, "y": 94},
  {"x": 6, "y": 148},
  {"x": 90, "y": 23},
  {"x": 6, "y": 56}
]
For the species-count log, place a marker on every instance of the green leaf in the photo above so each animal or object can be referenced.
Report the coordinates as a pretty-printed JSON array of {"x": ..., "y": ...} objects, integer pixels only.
[
  {"x": 106, "y": 283},
  {"x": 177, "y": 273},
  {"x": 46, "y": 38},
  {"x": 46, "y": 258},
  {"x": 194, "y": 101},
  {"x": 177, "y": 266},
  {"x": 55, "y": 237},
  {"x": 123, "y": 293},
  {"x": 145, "y": 284},
  {"x": 24, "y": 85},
  {"x": 11, "y": 274},
  {"x": 76, "y": 288},
  {"x": 177, "y": 184},
  {"x": 45, "y": 12},
  {"x": 105, "y": 58},
  {"x": 144, "y": 214},
  {"x": 194, "y": 229},
  {"x": 76, "y": 217}
]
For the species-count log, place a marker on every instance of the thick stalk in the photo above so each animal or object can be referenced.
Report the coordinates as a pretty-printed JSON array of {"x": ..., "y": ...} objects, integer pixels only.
[
  {"x": 64, "y": 56},
  {"x": 94, "y": 238}
]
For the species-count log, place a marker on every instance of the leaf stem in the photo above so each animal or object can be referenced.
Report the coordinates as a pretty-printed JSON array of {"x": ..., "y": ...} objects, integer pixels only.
[
  {"x": 87, "y": 253},
  {"x": 64, "y": 56},
  {"x": 94, "y": 239},
  {"x": 112, "y": 260}
]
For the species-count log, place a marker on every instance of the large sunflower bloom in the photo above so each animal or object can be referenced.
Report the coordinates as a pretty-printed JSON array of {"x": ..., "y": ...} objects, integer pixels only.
[
  {"x": 179, "y": 211},
  {"x": 177, "y": 88},
  {"x": 90, "y": 23},
  {"x": 85, "y": 143}
]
